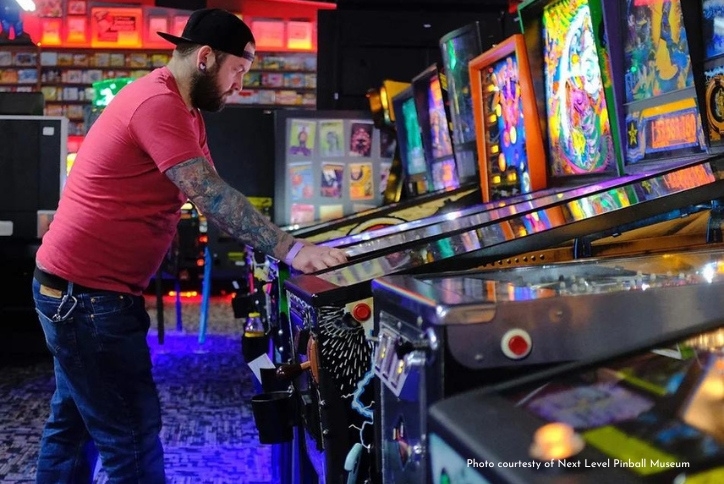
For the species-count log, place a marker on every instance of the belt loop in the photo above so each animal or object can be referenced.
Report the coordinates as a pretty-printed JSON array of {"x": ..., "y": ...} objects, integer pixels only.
[{"x": 70, "y": 288}]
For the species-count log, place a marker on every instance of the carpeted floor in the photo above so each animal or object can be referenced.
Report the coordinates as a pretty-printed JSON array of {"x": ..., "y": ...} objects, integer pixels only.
[{"x": 205, "y": 389}]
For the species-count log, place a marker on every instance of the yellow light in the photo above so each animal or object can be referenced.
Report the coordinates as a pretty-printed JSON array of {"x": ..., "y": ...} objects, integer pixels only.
[
  {"x": 183, "y": 293},
  {"x": 555, "y": 441},
  {"x": 383, "y": 98}
]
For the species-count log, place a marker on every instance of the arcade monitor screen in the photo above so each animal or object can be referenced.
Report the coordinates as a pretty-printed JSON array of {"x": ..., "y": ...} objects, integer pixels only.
[
  {"x": 565, "y": 34},
  {"x": 409, "y": 138},
  {"x": 662, "y": 117},
  {"x": 510, "y": 145},
  {"x": 436, "y": 139},
  {"x": 458, "y": 48}
]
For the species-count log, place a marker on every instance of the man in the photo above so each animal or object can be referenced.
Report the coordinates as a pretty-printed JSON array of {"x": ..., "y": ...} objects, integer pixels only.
[{"x": 143, "y": 158}]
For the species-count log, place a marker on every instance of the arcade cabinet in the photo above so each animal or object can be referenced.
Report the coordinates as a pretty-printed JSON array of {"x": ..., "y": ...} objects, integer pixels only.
[
  {"x": 458, "y": 48},
  {"x": 510, "y": 143},
  {"x": 636, "y": 411},
  {"x": 380, "y": 101},
  {"x": 443, "y": 334},
  {"x": 32, "y": 176}
]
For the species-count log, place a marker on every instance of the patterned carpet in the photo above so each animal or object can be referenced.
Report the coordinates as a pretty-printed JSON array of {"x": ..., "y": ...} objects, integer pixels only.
[{"x": 209, "y": 435}]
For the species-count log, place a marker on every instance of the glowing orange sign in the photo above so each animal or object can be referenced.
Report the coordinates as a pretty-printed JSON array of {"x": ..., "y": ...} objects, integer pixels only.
[
  {"x": 299, "y": 35},
  {"x": 670, "y": 131},
  {"x": 116, "y": 27},
  {"x": 50, "y": 31},
  {"x": 688, "y": 178},
  {"x": 269, "y": 34}
]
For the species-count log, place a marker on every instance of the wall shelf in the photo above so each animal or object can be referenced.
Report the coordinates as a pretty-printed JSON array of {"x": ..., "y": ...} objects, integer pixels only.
[{"x": 65, "y": 75}]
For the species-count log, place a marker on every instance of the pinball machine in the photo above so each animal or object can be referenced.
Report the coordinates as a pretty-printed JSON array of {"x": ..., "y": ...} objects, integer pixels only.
[
  {"x": 661, "y": 129},
  {"x": 637, "y": 410},
  {"x": 442, "y": 334},
  {"x": 421, "y": 202},
  {"x": 616, "y": 198},
  {"x": 457, "y": 48},
  {"x": 429, "y": 179},
  {"x": 333, "y": 308}
]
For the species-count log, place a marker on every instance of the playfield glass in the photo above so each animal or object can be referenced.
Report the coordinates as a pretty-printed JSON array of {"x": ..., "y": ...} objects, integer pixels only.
[
  {"x": 579, "y": 129},
  {"x": 661, "y": 406}
]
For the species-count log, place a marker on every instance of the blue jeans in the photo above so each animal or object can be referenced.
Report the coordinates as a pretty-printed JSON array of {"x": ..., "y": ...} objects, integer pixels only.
[{"x": 105, "y": 393}]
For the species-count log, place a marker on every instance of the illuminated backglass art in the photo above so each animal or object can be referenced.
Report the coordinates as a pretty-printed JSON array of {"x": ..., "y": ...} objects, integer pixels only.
[
  {"x": 439, "y": 132},
  {"x": 458, "y": 48},
  {"x": 714, "y": 78},
  {"x": 409, "y": 138},
  {"x": 662, "y": 116},
  {"x": 413, "y": 147},
  {"x": 457, "y": 51},
  {"x": 713, "y": 32},
  {"x": 579, "y": 127},
  {"x": 510, "y": 145},
  {"x": 436, "y": 137}
]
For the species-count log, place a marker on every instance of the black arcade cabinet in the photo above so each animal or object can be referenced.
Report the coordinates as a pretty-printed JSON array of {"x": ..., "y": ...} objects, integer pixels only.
[{"x": 32, "y": 175}]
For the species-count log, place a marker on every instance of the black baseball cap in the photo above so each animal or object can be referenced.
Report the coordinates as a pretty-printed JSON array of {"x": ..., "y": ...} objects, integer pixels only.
[{"x": 217, "y": 28}]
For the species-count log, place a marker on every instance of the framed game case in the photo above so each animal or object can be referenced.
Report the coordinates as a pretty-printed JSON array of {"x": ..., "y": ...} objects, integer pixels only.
[
  {"x": 511, "y": 154},
  {"x": 565, "y": 41}
]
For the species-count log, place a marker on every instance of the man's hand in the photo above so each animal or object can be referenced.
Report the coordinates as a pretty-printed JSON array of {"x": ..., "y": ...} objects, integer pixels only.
[{"x": 313, "y": 258}]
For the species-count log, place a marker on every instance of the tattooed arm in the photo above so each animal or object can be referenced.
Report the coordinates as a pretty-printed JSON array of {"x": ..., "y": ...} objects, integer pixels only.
[{"x": 232, "y": 212}]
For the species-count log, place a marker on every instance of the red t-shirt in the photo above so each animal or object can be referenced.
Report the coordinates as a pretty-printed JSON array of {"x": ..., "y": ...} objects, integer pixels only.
[{"x": 118, "y": 212}]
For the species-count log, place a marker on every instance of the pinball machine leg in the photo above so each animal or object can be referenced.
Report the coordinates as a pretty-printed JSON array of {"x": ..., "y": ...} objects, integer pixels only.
[
  {"x": 582, "y": 248},
  {"x": 159, "y": 307},
  {"x": 179, "y": 318},
  {"x": 205, "y": 296},
  {"x": 714, "y": 226}
]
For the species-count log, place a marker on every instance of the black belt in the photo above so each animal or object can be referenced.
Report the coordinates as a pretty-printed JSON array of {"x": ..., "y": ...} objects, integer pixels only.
[{"x": 58, "y": 283}]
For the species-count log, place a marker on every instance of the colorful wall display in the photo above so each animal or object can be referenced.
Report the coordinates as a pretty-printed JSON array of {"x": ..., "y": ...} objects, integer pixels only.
[{"x": 331, "y": 162}]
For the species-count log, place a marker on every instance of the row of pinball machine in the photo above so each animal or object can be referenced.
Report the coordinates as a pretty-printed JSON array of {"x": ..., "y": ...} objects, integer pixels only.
[{"x": 542, "y": 297}]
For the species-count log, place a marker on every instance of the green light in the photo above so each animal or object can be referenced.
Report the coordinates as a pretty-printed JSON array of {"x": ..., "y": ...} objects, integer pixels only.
[{"x": 104, "y": 91}]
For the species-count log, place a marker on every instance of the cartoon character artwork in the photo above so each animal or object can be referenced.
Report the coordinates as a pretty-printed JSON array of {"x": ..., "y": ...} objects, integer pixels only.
[
  {"x": 579, "y": 127},
  {"x": 360, "y": 143},
  {"x": 302, "y": 137}
]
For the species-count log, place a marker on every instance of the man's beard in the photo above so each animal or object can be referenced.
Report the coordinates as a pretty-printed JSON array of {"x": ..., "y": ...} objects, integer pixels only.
[{"x": 205, "y": 93}]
